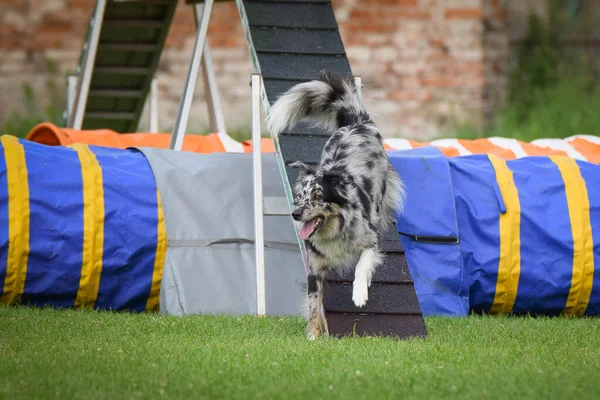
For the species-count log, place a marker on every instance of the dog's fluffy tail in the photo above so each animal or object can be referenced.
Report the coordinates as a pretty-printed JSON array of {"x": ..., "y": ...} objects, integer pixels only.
[{"x": 330, "y": 102}]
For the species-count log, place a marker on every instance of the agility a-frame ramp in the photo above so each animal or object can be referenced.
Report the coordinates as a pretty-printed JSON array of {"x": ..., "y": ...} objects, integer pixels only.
[{"x": 289, "y": 42}]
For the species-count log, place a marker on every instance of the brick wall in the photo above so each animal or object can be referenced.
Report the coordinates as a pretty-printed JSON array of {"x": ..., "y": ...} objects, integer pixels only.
[
  {"x": 426, "y": 64},
  {"x": 423, "y": 61}
]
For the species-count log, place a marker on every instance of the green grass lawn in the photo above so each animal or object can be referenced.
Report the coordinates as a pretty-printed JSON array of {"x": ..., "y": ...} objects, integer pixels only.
[{"x": 48, "y": 354}]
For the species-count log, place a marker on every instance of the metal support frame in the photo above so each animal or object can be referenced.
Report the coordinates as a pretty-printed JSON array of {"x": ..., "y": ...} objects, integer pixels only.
[
  {"x": 262, "y": 205},
  {"x": 153, "y": 106},
  {"x": 75, "y": 120},
  {"x": 185, "y": 105},
  {"x": 71, "y": 94},
  {"x": 259, "y": 233},
  {"x": 211, "y": 91},
  {"x": 213, "y": 99},
  {"x": 358, "y": 83}
]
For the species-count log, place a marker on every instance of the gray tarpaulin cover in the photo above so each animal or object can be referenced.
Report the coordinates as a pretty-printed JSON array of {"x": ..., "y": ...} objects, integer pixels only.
[{"x": 208, "y": 206}]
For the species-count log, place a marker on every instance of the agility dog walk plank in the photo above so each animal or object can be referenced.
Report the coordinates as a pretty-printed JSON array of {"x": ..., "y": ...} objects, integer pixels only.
[{"x": 289, "y": 43}]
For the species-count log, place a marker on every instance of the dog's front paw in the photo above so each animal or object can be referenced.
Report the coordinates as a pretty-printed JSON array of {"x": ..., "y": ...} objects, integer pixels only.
[{"x": 360, "y": 293}]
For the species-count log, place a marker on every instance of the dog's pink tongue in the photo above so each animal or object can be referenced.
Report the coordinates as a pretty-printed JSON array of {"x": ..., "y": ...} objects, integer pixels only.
[{"x": 307, "y": 229}]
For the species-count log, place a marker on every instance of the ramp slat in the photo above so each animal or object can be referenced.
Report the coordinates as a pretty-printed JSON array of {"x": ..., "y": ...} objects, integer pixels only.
[
  {"x": 115, "y": 104},
  {"x": 129, "y": 34},
  {"x": 127, "y": 46},
  {"x": 398, "y": 298},
  {"x": 131, "y": 59},
  {"x": 155, "y": 24},
  {"x": 119, "y": 70},
  {"x": 393, "y": 269},
  {"x": 112, "y": 81},
  {"x": 285, "y": 40},
  {"x": 402, "y": 326},
  {"x": 291, "y": 15},
  {"x": 297, "y": 66},
  {"x": 114, "y": 93},
  {"x": 302, "y": 147}
]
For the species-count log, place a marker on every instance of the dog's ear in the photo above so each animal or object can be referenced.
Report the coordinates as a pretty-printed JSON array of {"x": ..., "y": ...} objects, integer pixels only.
[
  {"x": 333, "y": 179},
  {"x": 304, "y": 168},
  {"x": 333, "y": 188}
]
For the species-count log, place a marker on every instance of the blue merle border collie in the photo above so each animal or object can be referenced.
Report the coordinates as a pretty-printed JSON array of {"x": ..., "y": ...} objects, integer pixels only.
[{"x": 344, "y": 203}]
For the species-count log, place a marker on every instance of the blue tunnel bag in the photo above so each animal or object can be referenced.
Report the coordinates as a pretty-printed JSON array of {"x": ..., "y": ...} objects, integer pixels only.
[
  {"x": 79, "y": 226},
  {"x": 528, "y": 233}
]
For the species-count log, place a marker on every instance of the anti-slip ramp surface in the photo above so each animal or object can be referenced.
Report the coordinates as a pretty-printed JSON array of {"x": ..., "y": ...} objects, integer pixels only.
[{"x": 291, "y": 42}]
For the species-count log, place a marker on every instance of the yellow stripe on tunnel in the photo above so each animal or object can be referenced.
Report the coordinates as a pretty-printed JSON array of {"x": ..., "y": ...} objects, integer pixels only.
[
  {"x": 93, "y": 227},
  {"x": 509, "y": 266},
  {"x": 159, "y": 260},
  {"x": 18, "y": 220},
  {"x": 581, "y": 229}
]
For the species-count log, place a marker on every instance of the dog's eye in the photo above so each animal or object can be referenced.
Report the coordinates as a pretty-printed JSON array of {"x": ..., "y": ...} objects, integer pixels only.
[{"x": 318, "y": 197}]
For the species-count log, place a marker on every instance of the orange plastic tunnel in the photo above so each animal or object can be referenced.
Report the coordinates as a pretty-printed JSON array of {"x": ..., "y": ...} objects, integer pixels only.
[{"x": 52, "y": 135}]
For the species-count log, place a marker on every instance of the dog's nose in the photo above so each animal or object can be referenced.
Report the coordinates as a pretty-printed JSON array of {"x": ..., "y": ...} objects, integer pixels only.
[{"x": 297, "y": 214}]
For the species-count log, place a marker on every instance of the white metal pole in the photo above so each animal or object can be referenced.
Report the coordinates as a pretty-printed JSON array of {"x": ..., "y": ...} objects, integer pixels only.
[
  {"x": 71, "y": 94},
  {"x": 85, "y": 77},
  {"x": 185, "y": 105},
  {"x": 211, "y": 91},
  {"x": 358, "y": 83},
  {"x": 259, "y": 240},
  {"x": 153, "y": 106},
  {"x": 213, "y": 99}
]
